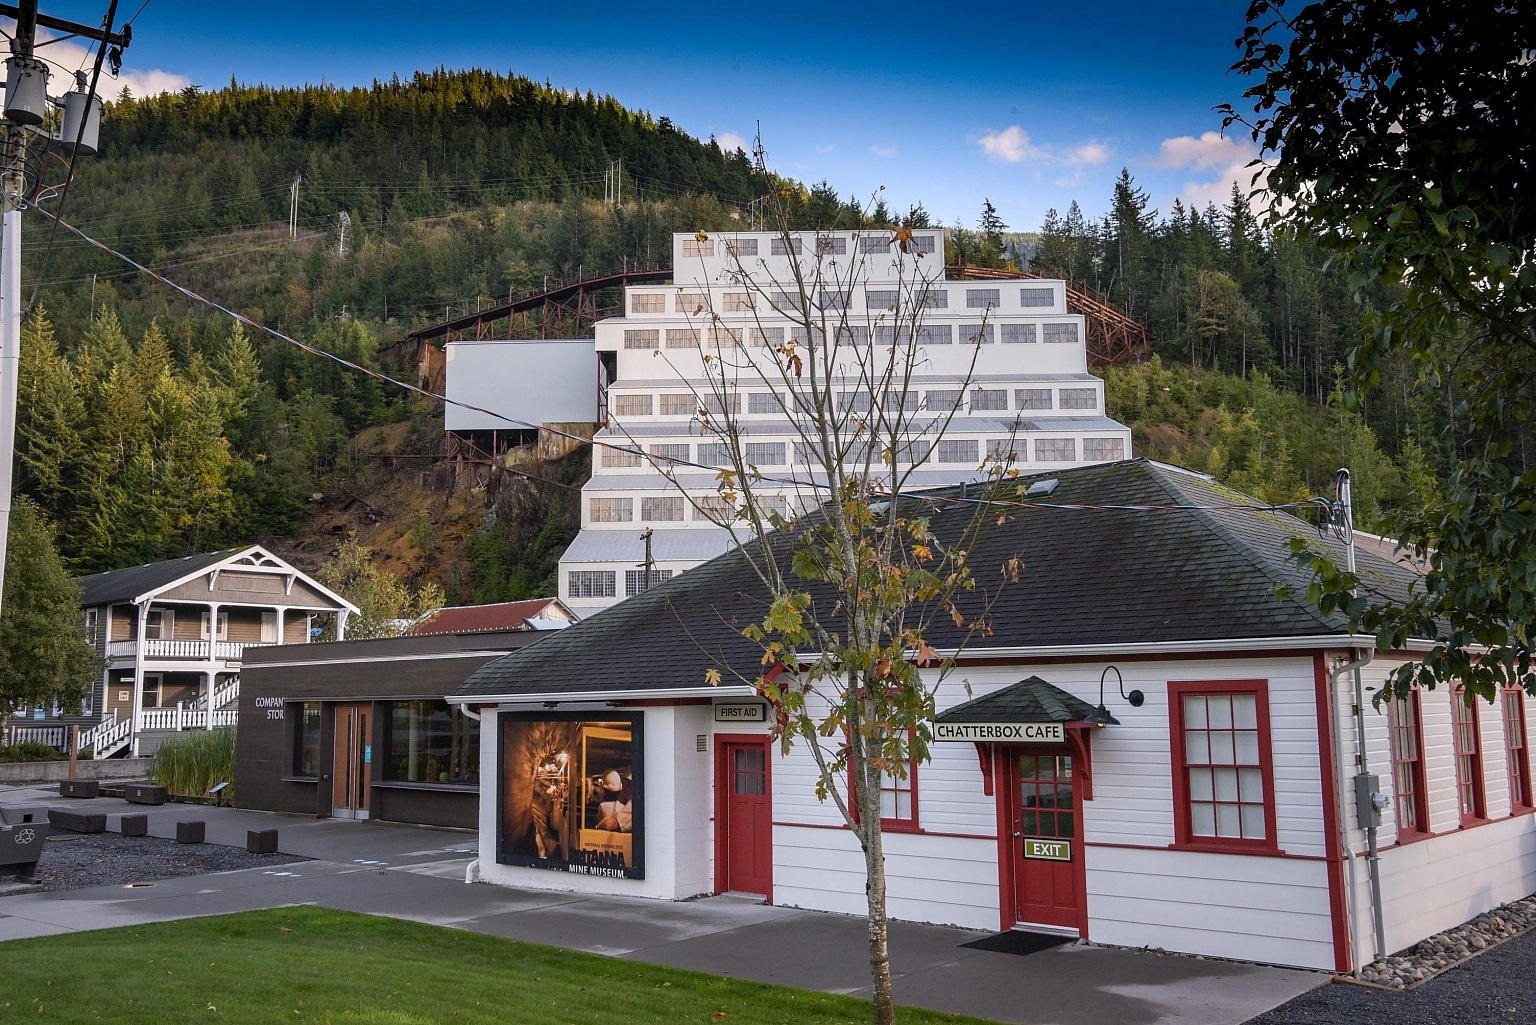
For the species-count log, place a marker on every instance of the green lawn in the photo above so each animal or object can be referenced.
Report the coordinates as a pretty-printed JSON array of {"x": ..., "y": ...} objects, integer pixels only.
[{"x": 311, "y": 965}]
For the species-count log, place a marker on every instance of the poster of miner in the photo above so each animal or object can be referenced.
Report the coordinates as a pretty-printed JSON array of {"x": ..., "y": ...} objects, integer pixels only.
[{"x": 571, "y": 793}]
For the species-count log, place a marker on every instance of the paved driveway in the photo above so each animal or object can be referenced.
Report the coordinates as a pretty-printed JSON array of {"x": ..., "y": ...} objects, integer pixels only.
[{"x": 417, "y": 874}]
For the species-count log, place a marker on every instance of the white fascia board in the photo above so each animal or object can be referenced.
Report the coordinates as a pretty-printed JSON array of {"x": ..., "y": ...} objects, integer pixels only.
[
  {"x": 285, "y": 570},
  {"x": 1173, "y": 648},
  {"x": 604, "y": 699}
]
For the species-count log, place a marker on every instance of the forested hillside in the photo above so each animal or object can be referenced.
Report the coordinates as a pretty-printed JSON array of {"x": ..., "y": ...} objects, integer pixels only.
[{"x": 152, "y": 427}]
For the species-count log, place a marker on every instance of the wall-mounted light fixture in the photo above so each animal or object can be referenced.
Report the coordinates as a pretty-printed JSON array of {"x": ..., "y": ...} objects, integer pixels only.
[{"x": 1100, "y": 716}]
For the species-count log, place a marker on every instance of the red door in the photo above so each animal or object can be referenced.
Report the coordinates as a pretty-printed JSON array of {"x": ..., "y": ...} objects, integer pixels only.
[
  {"x": 744, "y": 845},
  {"x": 1044, "y": 834}
]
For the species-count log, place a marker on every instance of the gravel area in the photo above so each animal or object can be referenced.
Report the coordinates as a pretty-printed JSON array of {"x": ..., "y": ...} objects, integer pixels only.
[
  {"x": 1442, "y": 950},
  {"x": 74, "y": 860},
  {"x": 1495, "y": 987}
]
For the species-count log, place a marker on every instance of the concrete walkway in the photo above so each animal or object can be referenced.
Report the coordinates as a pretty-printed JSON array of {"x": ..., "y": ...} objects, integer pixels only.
[{"x": 417, "y": 874}]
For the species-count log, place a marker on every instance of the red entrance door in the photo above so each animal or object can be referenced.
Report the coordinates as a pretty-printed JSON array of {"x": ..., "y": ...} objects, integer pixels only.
[
  {"x": 1046, "y": 839},
  {"x": 744, "y": 818}
]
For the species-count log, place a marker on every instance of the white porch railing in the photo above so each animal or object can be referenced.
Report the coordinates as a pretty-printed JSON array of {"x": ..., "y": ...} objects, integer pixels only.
[
  {"x": 227, "y": 694},
  {"x": 193, "y": 650},
  {"x": 184, "y": 717},
  {"x": 107, "y": 737},
  {"x": 53, "y": 736}
]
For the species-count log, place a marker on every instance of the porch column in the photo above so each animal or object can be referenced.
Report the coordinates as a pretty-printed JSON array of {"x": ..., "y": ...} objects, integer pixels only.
[
  {"x": 208, "y": 689},
  {"x": 280, "y": 614},
  {"x": 138, "y": 676},
  {"x": 341, "y": 624}
]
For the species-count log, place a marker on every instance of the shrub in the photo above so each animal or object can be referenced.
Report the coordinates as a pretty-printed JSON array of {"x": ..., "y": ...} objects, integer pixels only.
[
  {"x": 31, "y": 751},
  {"x": 193, "y": 762}
]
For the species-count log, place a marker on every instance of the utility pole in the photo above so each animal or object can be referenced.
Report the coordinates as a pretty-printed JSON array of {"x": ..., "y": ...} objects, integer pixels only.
[
  {"x": 293, "y": 207},
  {"x": 341, "y": 239},
  {"x": 649, "y": 563},
  {"x": 26, "y": 99}
]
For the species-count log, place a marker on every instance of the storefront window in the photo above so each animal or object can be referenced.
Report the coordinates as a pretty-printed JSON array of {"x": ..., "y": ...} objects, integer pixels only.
[
  {"x": 428, "y": 742},
  {"x": 307, "y": 740}
]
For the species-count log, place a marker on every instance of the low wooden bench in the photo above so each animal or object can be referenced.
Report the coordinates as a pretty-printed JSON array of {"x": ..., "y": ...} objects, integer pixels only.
[
  {"x": 134, "y": 825},
  {"x": 191, "y": 831},
  {"x": 80, "y": 788},
  {"x": 78, "y": 821}
]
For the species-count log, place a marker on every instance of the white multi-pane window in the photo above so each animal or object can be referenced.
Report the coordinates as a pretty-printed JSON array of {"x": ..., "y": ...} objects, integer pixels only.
[
  {"x": 725, "y": 337},
  {"x": 983, "y": 298},
  {"x": 1018, "y": 332},
  {"x": 641, "y": 338},
  {"x": 886, "y": 334},
  {"x": 1055, "y": 450},
  {"x": 875, "y": 245},
  {"x": 714, "y": 453},
  {"x": 691, "y": 302},
  {"x": 765, "y": 453},
  {"x": 1006, "y": 450},
  {"x": 712, "y": 508},
  {"x": 661, "y": 508},
  {"x": 1104, "y": 449},
  {"x": 678, "y": 405},
  {"x": 698, "y": 247},
  {"x": 880, "y": 299},
  {"x": 670, "y": 452},
  {"x": 983, "y": 399},
  {"x": 959, "y": 450},
  {"x": 782, "y": 247},
  {"x": 589, "y": 583},
  {"x": 936, "y": 334},
  {"x": 714, "y": 404},
  {"x": 831, "y": 245},
  {"x": 1032, "y": 398},
  {"x": 786, "y": 302},
  {"x": 974, "y": 334},
  {"x": 897, "y": 800},
  {"x": 1037, "y": 297},
  {"x": 943, "y": 400},
  {"x": 914, "y": 452},
  {"x": 652, "y": 302},
  {"x": 631, "y": 405},
  {"x": 1060, "y": 332},
  {"x": 907, "y": 400},
  {"x": 926, "y": 243},
  {"x": 853, "y": 401},
  {"x": 936, "y": 299},
  {"x": 770, "y": 505},
  {"x": 738, "y": 302},
  {"x": 763, "y": 402},
  {"x": 806, "y": 454},
  {"x": 1224, "y": 771},
  {"x": 741, "y": 246},
  {"x": 612, "y": 510},
  {"x": 832, "y": 300},
  {"x": 682, "y": 338},
  {"x": 618, "y": 458},
  {"x": 1079, "y": 398},
  {"x": 634, "y": 580},
  {"x": 765, "y": 336}
]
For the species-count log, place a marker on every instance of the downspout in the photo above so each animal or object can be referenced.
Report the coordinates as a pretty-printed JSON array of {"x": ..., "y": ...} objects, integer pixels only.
[
  {"x": 472, "y": 870},
  {"x": 1340, "y": 775}
]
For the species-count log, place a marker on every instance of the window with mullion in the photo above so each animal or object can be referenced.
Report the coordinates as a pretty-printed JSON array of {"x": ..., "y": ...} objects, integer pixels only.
[
  {"x": 1408, "y": 781},
  {"x": 898, "y": 799},
  {"x": 1469, "y": 756},
  {"x": 1518, "y": 750},
  {"x": 1223, "y": 780}
]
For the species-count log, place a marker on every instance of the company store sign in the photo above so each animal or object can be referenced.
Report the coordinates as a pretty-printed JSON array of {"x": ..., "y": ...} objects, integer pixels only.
[{"x": 1001, "y": 732}]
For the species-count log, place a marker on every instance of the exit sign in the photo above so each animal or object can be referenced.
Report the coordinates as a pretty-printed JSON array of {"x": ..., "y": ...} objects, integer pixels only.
[{"x": 1047, "y": 850}]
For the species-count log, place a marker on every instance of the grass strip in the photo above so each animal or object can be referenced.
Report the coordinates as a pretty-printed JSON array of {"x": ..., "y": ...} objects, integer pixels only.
[{"x": 313, "y": 965}]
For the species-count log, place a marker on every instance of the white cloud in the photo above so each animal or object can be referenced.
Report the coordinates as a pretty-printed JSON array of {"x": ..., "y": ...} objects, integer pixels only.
[
  {"x": 1230, "y": 158},
  {"x": 65, "y": 56},
  {"x": 1014, "y": 146},
  {"x": 884, "y": 152},
  {"x": 730, "y": 142},
  {"x": 1090, "y": 154},
  {"x": 826, "y": 149},
  {"x": 1011, "y": 145}
]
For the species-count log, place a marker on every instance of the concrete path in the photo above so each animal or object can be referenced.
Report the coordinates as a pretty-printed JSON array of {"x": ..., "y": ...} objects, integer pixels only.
[{"x": 417, "y": 874}]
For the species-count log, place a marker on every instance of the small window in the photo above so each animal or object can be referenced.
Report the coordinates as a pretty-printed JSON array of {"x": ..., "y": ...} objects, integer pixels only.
[
  {"x": 612, "y": 510},
  {"x": 983, "y": 298},
  {"x": 875, "y": 245},
  {"x": 1518, "y": 751},
  {"x": 1103, "y": 450},
  {"x": 631, "y": 405},
  {"x": 765, "y": 337},
  {"x": 714, "y": 404},
  {"x": 984, "y": 399},
  {"x": 925, "y": 243},
  {"x": 693, "y": 303},
  {"x": 1060, "y": 333},
  {"x": 698, "y": 247},
  {"x": 269, "y": 627},
  {"x": 634, "y": 580},
  {"x": 763, "y": 402},
  {"x": 640, "y": 339},
  {"x": 661, "y": 509},
  {"x": 936, "y": 334},
  {"x": 1221, "y": 740},
  {"x": 713, "y": 508},
  {"x": 771, "y": 506},
  {"x": 1409, "y": 788},
  {"x": 1037, "y": 297},
  {"x": 741, "y": 247},
  {"x": 1018, "y": 332},
  {"x": 783, "y": 247},
  {"x": 725, "y": 337},
  {"x": 159, "y": 624},
  {"x": 1005, "y": 450},
  {"x": 738, "y": 302},
  {"x": 806, "y": 455},
  {"x": 906, "y": 401},
  {"x": 1056, "y": 450},
  {"x": 853, "y": 401},
  {"x": 714, "y": 453},
  {"x": 654, "y": 302},
  {"x": 977, "y": 334},
  {"x": 1470, "y": 796},
  {"x": 589, "y": 583},
  {"x": 956, "y": 450},
  {"x": 306, "y": 738},
  {"x": 1032, "y": 398},
  {"x": 88, "y": 625},
  {"x": 674, "y": 404},
  {"x": 914, "y": 452},
  {"x": 833, "y": 300},
  {"x": 936, "y": 299},
  {"x": 670, "y": 452},
  {"x": 831, "y": 245},
  {"x": 150, "y": 695},
  {"x": 786, "y": 302},
  {"x": 765, "y": 453},
  {"x": 887, "y": 335},
  {"x": 619, "y": 458},
  {"x": 682, "y": 338},
  {"x": 944, "y": 401},
  {"x": 1079, "y": 398},
  {"x": 880, "y": 299}
]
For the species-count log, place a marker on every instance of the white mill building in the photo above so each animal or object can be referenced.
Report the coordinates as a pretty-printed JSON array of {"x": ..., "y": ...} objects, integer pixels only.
[{"x": 1029, "y": 391}]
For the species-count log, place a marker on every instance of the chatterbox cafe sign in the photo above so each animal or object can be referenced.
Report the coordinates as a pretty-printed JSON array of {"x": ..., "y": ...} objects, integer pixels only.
[{"x": 1001, "y": 732}]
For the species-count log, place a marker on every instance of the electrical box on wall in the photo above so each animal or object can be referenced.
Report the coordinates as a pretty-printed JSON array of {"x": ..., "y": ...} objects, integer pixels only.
[{"x": 1369, "y": 800}]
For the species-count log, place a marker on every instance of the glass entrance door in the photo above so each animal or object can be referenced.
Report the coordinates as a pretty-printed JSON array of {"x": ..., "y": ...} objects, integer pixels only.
[{"x": 353, "y": 761}]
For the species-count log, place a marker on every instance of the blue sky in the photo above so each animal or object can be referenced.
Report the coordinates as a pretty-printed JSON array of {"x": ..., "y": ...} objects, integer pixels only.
[{"x": 1026, "y": 104}]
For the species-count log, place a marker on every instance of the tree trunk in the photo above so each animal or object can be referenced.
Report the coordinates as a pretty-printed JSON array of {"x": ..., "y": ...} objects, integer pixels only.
[{"x": 874, "y": 866}]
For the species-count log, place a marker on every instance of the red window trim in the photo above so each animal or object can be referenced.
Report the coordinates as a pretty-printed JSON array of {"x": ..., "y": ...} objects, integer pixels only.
[
  {"x": 1420, "y": 776},
  {"x": 1479, "y": 813},
  {"x": 1519, "y": 759},
  {"x": 890, "y": 825},
  {"x": 1184, "y": 838}
]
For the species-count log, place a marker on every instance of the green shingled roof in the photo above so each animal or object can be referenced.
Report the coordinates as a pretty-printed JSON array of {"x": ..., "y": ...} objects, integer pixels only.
[{"x": 1030, "y": 700}]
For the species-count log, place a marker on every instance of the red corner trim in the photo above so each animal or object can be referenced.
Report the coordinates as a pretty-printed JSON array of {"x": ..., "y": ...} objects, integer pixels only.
[{"x": 1335, "y": 853}]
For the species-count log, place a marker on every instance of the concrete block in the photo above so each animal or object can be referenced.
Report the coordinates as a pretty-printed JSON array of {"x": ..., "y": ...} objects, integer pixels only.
[
  {"x": 192, "y": 831},
  {"x": 261, "y": 841},
  {"x": 23, "y": 814},
  {"x": 134, "y": 825},
  {"x": 79, "y": 788},
  {"x": 78, "y": 821},
  {"x": 144, "y": 793}
]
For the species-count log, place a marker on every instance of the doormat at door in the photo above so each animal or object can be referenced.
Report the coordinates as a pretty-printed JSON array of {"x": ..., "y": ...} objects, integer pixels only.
[{"x": 1017, "y": 941}]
